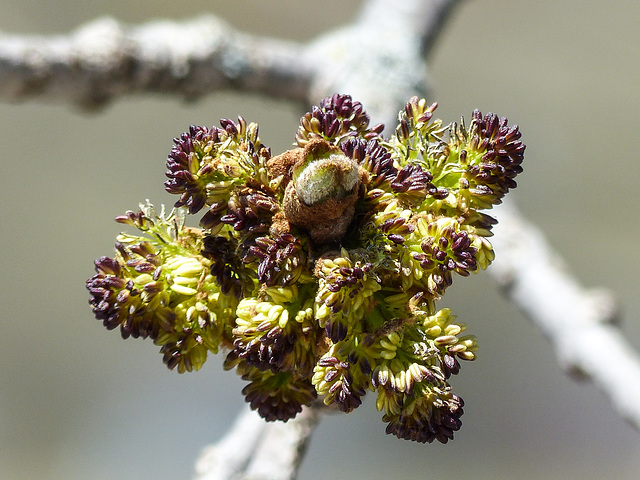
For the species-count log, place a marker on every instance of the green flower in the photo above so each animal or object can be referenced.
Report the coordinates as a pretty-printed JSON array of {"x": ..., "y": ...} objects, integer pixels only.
[
  {"x": 318, "y": 270},
  {"x": 415, "y": 360},
  {"x": 275, "y": 396},
  {"x": 344, "y": 297},
  {"x": 159, "y": 286},
  {"x": 343, "y": 374},
  {"x": 277, "y": 333}
]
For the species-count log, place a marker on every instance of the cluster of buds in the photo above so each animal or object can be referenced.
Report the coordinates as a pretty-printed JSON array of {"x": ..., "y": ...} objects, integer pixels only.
[{"x": 318, "y": 270}]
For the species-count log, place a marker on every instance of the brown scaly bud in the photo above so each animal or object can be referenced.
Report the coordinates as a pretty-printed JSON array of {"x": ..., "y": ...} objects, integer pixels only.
[{"x": 322, "y": 191}]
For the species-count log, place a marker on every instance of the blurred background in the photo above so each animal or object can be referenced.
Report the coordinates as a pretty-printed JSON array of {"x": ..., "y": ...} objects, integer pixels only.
[{"x": 77, "y": 402}]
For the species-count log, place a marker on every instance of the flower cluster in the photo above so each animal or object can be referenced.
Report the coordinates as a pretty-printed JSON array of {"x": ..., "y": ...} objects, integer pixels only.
[
  {"x": 318, "y": 270},
  {"x": 160, "y": 286}
]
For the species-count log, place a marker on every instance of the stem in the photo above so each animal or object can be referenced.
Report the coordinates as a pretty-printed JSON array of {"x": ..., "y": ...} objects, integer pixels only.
[{"x": 257, "y": 450}]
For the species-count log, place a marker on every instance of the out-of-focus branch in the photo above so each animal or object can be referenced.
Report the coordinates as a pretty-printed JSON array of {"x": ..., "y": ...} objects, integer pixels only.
[
  {"x": 377, "y": 59},
  {"x": 580, "y": 323},
  {"x": 256, "y": 450},
  {"x": 105, "y": 59},
  {"x": 380, "y": 58}
]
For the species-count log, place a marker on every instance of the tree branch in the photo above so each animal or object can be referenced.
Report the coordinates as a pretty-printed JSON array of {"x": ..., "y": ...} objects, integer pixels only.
[
  {"x": 258, "y": 450},
  {"x": 105, "y": 59},
  {"x": 380, "y": 58},
  {"x": 580, "y": 323}
]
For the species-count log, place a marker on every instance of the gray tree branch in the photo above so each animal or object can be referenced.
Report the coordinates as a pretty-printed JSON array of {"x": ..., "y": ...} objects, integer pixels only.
[
  {"x": 580, "y": 323},
  {"x": 378, "y": 59},
  {"x": 104, "y": 60},
  {"x": 256, "y": 450}
]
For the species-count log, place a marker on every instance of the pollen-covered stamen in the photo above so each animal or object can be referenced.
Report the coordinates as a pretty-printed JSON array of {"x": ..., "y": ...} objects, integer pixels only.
[
  {"x": 274, "y": 335},
  {"x": 135, "y": 219},
  {"x": 189, "y": 165},
  {"x": 337, "y": 117},
  {"x": 229, "y": 272},
  {"x": 342, "y": 381},
  {"x": 250, "y": 210},
  {"x": 416, "y": 120},
  {"x": 493, "y": 154},
  {"x": 134, "y": 306},
  {"x": 433, "y": 415},
  {"x": 373, "y": 158},
  {"x": 396, "y": 229},
  {"x": 444, "y": 249},
  {"x": 186, "y": 353},
  {"x": 413, "y": 179},
  {"x": 344, "y": 294},
  {"x": 213, "y": 217},
  {"x": 141, "y": 294},
  {"x": 266, "y": 351},
  {"x": 276, "y": 396},
  {"x": 281, "y": 260}
]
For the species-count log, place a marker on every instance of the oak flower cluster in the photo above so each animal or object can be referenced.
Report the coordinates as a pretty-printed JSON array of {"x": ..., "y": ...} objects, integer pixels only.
[{"x": 317, "y": 271}]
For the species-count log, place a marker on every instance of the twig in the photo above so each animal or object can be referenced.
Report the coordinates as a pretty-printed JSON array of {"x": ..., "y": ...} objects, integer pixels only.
[
  {"x": 105, "y": 59},
  {"x": 256, "y": 450},
  {"x": 580, "y": 323},
  {"x": 380, "y": 58}
]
